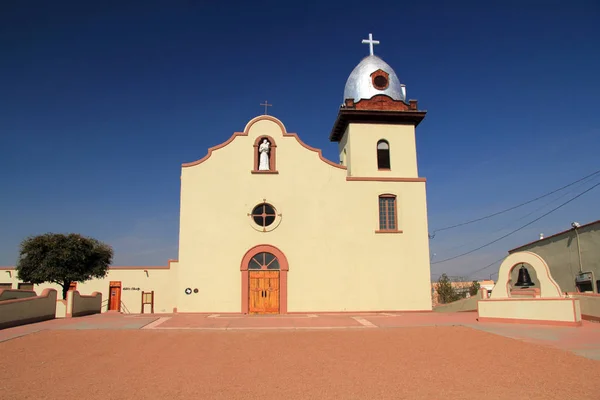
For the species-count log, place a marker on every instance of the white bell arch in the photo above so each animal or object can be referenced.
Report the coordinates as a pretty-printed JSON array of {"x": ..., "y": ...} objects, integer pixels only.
[{"x": 548, "y": 286}]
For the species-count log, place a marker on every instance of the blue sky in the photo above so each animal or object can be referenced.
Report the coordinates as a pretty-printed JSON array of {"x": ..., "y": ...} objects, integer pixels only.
[{"x": 101, "y": 103}]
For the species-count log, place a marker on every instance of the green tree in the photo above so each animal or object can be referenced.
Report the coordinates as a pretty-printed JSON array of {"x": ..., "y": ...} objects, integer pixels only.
[
  {"x": 62, "y": 259},
  {"x": 445, "y": 290},
  {"x": 474, "y": 288}
]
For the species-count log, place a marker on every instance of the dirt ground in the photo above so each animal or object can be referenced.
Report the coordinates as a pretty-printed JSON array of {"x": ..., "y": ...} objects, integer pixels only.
[{"x": 431, "y": 362}]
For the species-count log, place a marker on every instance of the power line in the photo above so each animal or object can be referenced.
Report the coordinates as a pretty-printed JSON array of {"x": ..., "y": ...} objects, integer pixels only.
[
  {"x": 518, "y": 229},
  {"x": 516, "y": 220},
  {"x": 431, "y": 236},
  {"x": 476, "y": 271},
  {"x": 486, "y": 267}
]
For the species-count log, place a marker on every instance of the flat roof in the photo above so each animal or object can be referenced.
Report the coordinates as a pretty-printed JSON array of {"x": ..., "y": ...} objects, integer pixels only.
[{"x": 552, "y": 236}]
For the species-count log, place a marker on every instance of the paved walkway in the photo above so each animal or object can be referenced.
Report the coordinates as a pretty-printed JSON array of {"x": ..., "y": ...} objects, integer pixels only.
[
  {"x": 583, "y": 341},
  {"x": 359, "y": 356}
]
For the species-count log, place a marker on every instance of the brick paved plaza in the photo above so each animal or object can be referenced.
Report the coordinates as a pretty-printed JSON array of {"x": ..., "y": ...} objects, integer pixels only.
[{"x": 361, "y": 356}]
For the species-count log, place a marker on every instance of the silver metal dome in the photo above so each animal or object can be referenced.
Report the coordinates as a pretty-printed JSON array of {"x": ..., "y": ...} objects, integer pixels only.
[{"x": 360, "y": 86}]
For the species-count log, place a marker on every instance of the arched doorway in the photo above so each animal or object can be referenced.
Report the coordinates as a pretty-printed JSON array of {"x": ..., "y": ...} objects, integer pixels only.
[{"x": 264, "y": 281}]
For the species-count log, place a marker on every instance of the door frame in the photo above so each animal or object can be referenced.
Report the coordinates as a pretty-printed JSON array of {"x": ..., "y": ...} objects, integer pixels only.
[
  {"x": 115, "y": 285},
  {"x": 283, "y": 271}
]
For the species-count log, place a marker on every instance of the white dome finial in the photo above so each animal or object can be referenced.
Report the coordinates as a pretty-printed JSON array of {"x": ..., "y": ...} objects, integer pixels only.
[{"x": 371, "y": 42}]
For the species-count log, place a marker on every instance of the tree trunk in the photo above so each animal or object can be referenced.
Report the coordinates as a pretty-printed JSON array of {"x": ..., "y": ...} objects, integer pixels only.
[{"x": 65, "y": 288}]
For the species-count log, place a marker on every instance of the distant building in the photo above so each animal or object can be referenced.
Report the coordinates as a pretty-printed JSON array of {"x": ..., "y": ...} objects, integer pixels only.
[
  {"x": 461, "y": 288},
  {"x": 573, "y": 256}
]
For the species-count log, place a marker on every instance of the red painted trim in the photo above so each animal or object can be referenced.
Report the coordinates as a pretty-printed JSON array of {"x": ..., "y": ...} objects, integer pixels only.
[
  {"x": 533, "y": 299},
  {"x": 211, "y": 149},
  {"x": 590, "y": 317},
  {"x": 525, "y": 292},
  {"x": 384, "y": 179},
  {"x": 528, "y": 321},
  {"x": 318, "y": 151},
  {"x": 359, "y": 312},
  {"x": 45, "y": 294},
  {"x": 207, "y": 313},
  {"x": 94, "y": 294},
  {"x": 245, "y": 133},
  {"x": 584, "y": 294},
  {"x": 283, "y": 271}
]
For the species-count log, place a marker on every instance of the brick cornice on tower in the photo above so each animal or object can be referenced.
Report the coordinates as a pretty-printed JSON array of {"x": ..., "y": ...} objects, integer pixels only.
[{"x": 380, "y": 109}]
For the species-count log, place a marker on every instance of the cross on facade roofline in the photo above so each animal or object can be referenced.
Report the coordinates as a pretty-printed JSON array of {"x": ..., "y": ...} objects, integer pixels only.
[
  {"x": 371, "y": 42},
  {"x": 266, "y": 104}
]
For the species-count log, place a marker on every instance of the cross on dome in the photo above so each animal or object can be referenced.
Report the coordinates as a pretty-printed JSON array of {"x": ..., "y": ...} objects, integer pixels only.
[{"x": 371, "y": 42}]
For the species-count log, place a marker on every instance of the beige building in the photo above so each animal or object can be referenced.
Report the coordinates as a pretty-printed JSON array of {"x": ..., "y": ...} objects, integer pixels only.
[
  {"x": 268, "y": 225},
  {"x": 573, "y": 257}
]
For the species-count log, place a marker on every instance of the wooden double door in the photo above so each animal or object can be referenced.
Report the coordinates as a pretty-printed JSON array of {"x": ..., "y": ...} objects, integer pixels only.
[{"x": 264, "y": 292}]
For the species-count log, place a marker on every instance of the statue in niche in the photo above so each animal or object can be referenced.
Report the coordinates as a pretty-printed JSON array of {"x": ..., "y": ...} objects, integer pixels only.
[{"x": 263, "y": 151}]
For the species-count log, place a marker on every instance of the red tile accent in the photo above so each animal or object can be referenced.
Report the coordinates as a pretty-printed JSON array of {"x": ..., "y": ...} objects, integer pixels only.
[
  {"x": 528, "y": 321},
  {"x": 383, "y": 102},
  {"x": 384, "y": 179}
]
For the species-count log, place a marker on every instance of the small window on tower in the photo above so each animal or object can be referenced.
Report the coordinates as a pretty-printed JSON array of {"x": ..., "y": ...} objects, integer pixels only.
[
  {"x": 383, "y": 155},
  {"x": 387, "y": 213}
]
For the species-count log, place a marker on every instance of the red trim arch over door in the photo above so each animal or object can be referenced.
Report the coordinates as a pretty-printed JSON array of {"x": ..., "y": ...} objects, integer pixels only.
[{"x": 283, "y": 268}]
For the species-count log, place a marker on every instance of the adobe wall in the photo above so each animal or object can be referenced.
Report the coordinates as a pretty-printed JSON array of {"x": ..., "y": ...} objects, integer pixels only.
[{"x": 28, "y": 310}]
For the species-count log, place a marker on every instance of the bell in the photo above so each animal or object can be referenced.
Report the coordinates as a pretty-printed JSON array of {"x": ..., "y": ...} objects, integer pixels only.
[{"x": 524, "y": 278}]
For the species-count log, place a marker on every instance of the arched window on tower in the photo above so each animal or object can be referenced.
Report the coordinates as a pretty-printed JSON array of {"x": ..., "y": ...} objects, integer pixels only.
[{"x": 383, "y": 155}]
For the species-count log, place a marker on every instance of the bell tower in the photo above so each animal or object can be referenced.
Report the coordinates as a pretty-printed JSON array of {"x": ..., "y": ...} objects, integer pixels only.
[{"x": 375, "y": 126}]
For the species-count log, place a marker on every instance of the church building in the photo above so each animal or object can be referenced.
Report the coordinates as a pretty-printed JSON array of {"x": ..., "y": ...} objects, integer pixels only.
[{"x": 269, "y": 226}]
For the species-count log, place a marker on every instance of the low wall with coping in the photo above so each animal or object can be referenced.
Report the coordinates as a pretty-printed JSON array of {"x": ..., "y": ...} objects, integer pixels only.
[
  {"x": 28, "y": 310},
  {"x": 11, "y": 294},
  {"x": 463, "y": 305},
  {"x": 590, "y": 305},
  {"x": 551, "y": 311},
  {"x": 544, "y": 305},
  {"x": 79, "y": 305}
]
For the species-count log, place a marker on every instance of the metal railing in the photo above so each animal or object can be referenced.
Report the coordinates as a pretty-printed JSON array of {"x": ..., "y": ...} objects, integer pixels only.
[{"x": 123, "y": 307}]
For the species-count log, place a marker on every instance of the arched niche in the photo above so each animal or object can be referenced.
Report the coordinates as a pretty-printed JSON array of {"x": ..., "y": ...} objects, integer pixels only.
[
  {"x": 547, "y": 285},
  {"x": 272, "y": 155}
]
